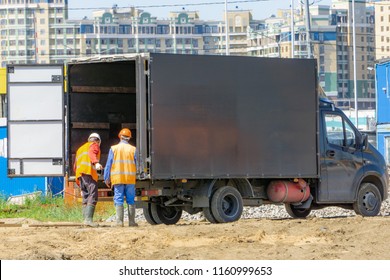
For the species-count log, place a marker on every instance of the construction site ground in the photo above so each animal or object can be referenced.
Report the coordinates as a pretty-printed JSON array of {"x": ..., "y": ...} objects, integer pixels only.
[{"x": 346, "y": 238}]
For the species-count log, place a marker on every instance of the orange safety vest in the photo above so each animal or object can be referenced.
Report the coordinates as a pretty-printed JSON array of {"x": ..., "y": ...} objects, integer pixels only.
[
  {"x": 83, "y": 162},
  {"x": 123, "y": 169}
]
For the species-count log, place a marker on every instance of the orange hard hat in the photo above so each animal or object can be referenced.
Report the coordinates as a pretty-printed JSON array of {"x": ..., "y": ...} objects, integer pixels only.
[{"x": 125, "y": 132}]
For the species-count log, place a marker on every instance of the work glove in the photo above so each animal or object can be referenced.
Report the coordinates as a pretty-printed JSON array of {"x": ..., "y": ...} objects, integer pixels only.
[{"x": 98, "y": 166}]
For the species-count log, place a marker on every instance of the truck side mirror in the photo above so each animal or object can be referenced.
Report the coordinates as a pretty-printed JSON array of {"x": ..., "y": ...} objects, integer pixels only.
[{"x": 364, "y": 141}]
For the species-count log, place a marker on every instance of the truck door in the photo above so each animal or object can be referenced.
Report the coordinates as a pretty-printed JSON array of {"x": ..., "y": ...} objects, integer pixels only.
[
  {"x": 35, "y": 120},
  {"x": 341, "y": 158}
]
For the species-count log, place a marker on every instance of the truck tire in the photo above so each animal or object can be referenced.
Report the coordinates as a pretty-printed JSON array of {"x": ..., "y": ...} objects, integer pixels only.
[
  {"x": 208, "y": 215},
  {"x": 369, "y": 200},
  {"x": 297, "y": 213},
  {"x": 226, "y": 204},
  {"x": 165, "y": 215},
  {"x": 148, "y": 214}
]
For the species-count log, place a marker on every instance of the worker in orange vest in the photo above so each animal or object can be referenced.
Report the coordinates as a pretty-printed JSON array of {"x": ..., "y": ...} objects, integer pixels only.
[
  {"x": 86, "y": 166},
  {"x": 120, "y": 174}
]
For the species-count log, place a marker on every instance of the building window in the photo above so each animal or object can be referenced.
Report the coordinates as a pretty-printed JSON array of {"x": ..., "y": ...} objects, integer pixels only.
[{"x": 168, "y": 43}]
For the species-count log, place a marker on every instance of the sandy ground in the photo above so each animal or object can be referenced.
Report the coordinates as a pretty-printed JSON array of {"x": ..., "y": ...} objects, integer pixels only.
[{"x": 353, "y": 238}]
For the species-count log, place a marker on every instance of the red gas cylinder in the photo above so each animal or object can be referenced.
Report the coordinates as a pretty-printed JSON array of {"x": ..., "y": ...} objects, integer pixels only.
[{"x": 288, "y": 192}]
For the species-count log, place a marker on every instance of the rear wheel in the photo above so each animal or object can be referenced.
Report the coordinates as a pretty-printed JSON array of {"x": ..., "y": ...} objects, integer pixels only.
[
  {"x": 208, "y": 215},
  {"x": 295, "y": 212},
  {"x": 369, "y": 200},
  {"x": 226, "y": 204},
  {"x": 165, "y": 215},
  {"x": 148, "y": 214}
]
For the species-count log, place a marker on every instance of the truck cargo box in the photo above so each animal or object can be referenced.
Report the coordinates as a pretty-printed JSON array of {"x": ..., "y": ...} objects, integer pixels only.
[
  {"x": 201, "y": 116},
  {"x": 219, "y": 117}
]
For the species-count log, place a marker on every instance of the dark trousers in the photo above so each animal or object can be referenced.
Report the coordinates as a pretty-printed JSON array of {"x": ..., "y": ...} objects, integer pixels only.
[{"x": 89, "y": 190}]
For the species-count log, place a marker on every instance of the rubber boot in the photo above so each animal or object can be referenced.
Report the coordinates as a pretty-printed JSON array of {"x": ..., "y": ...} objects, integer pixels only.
[
  {"x": 83, "y": 211},
  {"x": 119, "y": 216},
  {"x": 88, "y": 220},
  {"x": 131, "y": 212}
]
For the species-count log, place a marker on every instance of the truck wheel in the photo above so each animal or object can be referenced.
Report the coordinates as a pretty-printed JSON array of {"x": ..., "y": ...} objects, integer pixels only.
[
  {"x": 226, "y": 204},
  {"x": 165, "y": 215},
  {"x": 369, "y": 200},
  {"x": 208, "y": 215},
  {"x": 148, "y": 214},
  {"x": 297, "y": 212}
]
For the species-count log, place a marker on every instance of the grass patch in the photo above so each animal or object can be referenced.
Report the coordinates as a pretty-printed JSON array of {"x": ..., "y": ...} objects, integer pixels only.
[{"x": 45, "y": 208}]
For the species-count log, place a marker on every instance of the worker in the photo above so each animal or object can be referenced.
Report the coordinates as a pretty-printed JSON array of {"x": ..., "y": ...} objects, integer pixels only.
[
  {"x": 120, "y": 174},
  {"x": 86, "y": 166}
]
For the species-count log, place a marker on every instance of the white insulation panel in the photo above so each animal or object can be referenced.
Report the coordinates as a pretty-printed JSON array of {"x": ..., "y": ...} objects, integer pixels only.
[
  {"x": 36, "y": 140},
  {"x": 35, "y": 102}
]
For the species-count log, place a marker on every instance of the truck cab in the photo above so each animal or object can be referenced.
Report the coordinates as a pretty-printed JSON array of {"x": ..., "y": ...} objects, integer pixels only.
[{"x": 353, "y": 172}]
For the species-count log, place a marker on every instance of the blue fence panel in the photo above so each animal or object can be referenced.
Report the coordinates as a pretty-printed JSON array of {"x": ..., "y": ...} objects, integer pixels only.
[{"x": 16, "y": 186}]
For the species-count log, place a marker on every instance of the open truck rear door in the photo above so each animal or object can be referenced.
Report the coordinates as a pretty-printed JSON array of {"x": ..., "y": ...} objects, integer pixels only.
[{"x": 36, "y": 119}]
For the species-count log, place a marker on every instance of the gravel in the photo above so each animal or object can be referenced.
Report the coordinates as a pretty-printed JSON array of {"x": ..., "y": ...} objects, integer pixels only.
[{"x": 272, "y": 211}]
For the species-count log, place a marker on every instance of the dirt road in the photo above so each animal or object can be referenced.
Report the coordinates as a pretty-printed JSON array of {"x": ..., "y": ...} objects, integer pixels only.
[{"x": 354, "y": 238}]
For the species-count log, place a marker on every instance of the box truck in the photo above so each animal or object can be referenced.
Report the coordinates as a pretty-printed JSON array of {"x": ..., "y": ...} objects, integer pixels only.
[{"x": 213, "y": 133}]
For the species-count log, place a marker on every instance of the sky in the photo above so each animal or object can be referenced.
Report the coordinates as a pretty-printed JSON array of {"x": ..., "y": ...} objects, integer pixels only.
[{"x": 208, "y": 9}]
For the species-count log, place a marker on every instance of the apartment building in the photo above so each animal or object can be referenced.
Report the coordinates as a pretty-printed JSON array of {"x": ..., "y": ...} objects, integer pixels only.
[
  {"x": 341, "y": 13},
  {"x": 39, "y": 31},
  {"x": 26, "y": 27},
  {"x": 382, "y": 29}
]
